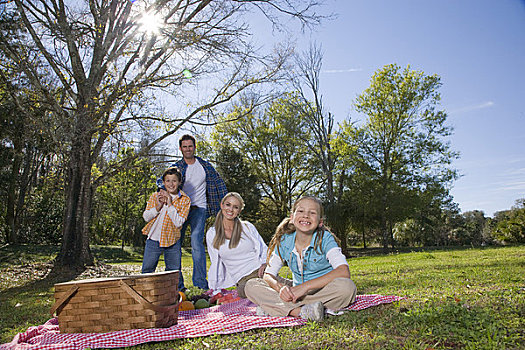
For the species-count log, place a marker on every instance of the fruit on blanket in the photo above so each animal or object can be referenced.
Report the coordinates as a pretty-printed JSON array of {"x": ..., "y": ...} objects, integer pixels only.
[
  {"x": 216, "y": 297},
  {"x": 186, "y": 305},
  {"x": 200, "y": 296},
  {"x": 201, "y": 304},
  {"x": 192, "y": 292},
  {"x": 224, "y": 298},
  {"x": 182, "y": 296},
  {"x": 234, "y": 299},
  {"x": 228, "y": 298}
]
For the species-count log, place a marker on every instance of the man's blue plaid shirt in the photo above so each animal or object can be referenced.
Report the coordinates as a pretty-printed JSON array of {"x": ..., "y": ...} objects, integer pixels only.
[{"x": 215, "y": 186}]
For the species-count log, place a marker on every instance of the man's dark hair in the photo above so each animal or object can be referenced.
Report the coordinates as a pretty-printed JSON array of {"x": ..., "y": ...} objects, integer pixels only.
[
  {"x": 185, "y": 138},
  {"x": 172, "y": 171}
]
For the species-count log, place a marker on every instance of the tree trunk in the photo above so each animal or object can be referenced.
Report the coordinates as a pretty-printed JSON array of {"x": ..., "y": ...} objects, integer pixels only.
[
  {"x": 337, "y": 216},
  {"x": 75, "y": 251},
  {"x": 363, "y": 228},
  {"x": 12, "y": 235},
  {"x": 391, "y": 235},
  {"x": 26, "y": 181},
  {"x": 383, "y": 221}
]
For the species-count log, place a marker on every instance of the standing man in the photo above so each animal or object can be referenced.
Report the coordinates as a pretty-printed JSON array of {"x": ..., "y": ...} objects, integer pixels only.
[{"x": 205, "y": 187}]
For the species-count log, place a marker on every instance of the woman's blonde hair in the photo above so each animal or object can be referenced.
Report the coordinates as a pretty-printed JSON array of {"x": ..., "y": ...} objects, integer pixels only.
[
  {"x": 286, "y": 227},
  {"x": 220, "y": 235}
]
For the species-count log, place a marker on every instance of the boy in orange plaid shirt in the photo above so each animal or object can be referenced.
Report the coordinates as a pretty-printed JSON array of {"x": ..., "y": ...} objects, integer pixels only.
[{"x": 166, "y": 211}]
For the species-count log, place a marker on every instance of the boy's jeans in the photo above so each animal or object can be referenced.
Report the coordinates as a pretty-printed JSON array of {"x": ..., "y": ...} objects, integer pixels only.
[
  {"x": 197, "y": 221},
  {"x": 152, "y": 252}
]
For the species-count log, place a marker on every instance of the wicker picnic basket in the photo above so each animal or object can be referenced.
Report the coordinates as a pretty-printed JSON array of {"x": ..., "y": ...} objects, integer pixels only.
[{"x": 98, "y": 305}]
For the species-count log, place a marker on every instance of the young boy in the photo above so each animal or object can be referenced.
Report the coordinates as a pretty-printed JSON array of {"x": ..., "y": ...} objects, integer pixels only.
[{"x": 166, "y": 211}]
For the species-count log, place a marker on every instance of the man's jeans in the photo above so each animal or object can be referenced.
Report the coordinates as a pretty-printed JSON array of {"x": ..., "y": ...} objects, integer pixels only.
[
  {"x": 152, "y": 253},
  {"x": 197, "y": 222}
]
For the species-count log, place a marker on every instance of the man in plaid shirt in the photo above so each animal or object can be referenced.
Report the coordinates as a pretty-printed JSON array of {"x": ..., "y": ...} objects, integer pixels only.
[{"x": 205, "y": 187}]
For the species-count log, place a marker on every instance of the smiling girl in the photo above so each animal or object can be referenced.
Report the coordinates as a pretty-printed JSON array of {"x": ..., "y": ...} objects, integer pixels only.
[
  {"x": 237, "y": 251},
  {"x": 321, "y": 278}
]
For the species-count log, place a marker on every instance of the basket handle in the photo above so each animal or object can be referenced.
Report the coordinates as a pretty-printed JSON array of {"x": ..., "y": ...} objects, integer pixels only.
[
  {"x": 64, "y": 298},
  {"x": 133, "y": 293}
]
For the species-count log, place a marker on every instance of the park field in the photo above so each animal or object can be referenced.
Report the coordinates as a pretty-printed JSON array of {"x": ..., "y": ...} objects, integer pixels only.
[{"x": 461, "y": 298}]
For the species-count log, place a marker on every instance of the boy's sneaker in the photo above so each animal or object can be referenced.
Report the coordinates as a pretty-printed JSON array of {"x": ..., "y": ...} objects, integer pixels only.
[
  {"x": 312, "y": 312},
  {"x": 260, "y": 312}
]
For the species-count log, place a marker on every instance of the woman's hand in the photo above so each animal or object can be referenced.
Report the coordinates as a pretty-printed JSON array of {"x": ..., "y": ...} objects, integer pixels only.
[{"x": 260, "y": 273}]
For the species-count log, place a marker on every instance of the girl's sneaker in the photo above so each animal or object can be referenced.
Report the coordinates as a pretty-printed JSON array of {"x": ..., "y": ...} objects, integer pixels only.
[
  {"x": 312, "y": 312},
  {"x": 260, "y": 312}
]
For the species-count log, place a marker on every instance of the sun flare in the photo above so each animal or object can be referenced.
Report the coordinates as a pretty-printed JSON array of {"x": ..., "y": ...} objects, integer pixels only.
[{"x": 151, "y": 23}]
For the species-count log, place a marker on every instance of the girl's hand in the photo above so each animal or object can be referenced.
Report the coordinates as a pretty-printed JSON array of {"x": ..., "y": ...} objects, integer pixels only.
[
  {"x": 260, "y": 273},
  {"x": 298, "y": 292},
  {"x": 286, "y": 294}
]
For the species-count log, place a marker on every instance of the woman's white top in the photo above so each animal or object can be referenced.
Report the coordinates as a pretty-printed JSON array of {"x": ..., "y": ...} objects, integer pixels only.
[{"x": 228, "y": 266}]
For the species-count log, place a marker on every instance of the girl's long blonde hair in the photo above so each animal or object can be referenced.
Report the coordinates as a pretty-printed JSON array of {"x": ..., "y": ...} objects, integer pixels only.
[
  {"x": 220, "y": 235},
  {"x": 286, "y": 227}
]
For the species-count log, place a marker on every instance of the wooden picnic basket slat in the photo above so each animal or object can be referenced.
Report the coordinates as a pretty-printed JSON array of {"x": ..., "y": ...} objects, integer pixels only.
[{"x": 98, "y": 305}]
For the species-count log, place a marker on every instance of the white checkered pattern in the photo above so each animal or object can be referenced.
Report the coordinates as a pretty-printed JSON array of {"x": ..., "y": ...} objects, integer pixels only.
[{"x": 229, "y": 318}]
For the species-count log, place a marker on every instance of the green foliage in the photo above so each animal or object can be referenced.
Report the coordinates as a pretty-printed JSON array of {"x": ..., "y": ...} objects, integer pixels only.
[
  {"x": 41, "y": 221},
  {"x": 239, "y": 177},
  {"x": 271, "y": 142},
  {"x": 400, "y": 151},
  {"x": 510, "y": 226},
  {"x": 27, "y": 145},
  {"x": 121, "y": 200}
]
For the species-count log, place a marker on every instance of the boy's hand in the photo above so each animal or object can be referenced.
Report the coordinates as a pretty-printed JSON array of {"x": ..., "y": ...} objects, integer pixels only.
[
  {"x": 167, "y": 198},
  {"x": 161, "y": 200}
]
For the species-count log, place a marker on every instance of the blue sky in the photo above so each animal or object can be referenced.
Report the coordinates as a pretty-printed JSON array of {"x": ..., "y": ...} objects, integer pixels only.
[{"x": 478, "y": 50}]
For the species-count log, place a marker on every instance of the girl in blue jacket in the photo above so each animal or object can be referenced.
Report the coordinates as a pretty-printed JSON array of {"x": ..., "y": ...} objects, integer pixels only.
[{"x": 321, "y": 278}]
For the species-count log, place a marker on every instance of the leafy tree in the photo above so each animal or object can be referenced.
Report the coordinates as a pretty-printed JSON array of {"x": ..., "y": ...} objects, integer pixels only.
[
  {"x": 510, "y": 227},
  {"x": 108, "y": 64},
  {"x": 271, "y": 143},
  {"x": 239, "y": 177},
  {"x": 120, "y": 202},
  {"x": 401, "y": 145},
  {"x": 26, "y": 137},
  {"x": 474, "y": 225}
]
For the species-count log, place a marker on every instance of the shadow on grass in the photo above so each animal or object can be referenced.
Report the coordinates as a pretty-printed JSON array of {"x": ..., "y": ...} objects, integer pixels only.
[
  {"x": 30, "y": 303},
  {"x": 32, "y": 257},
  {"x": 115, "y": 255}
]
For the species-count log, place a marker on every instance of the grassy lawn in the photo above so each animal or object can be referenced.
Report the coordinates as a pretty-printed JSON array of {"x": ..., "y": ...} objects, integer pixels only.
[{"x": 456, "y": 299}]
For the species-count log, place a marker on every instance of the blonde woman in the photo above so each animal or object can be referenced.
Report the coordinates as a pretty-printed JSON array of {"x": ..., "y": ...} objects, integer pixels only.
[{"x": 237, "y": 251}]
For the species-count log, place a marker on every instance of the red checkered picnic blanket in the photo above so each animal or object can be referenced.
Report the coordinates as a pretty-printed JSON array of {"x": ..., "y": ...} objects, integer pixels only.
[{"x": 229, "y": 318}]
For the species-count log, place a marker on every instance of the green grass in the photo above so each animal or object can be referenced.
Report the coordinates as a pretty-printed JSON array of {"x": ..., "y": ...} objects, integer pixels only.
[{"x": 455, "y": 299}]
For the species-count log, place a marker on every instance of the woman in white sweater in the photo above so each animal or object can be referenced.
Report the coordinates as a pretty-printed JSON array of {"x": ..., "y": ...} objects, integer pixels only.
[{"x": 237, "y": 251}]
